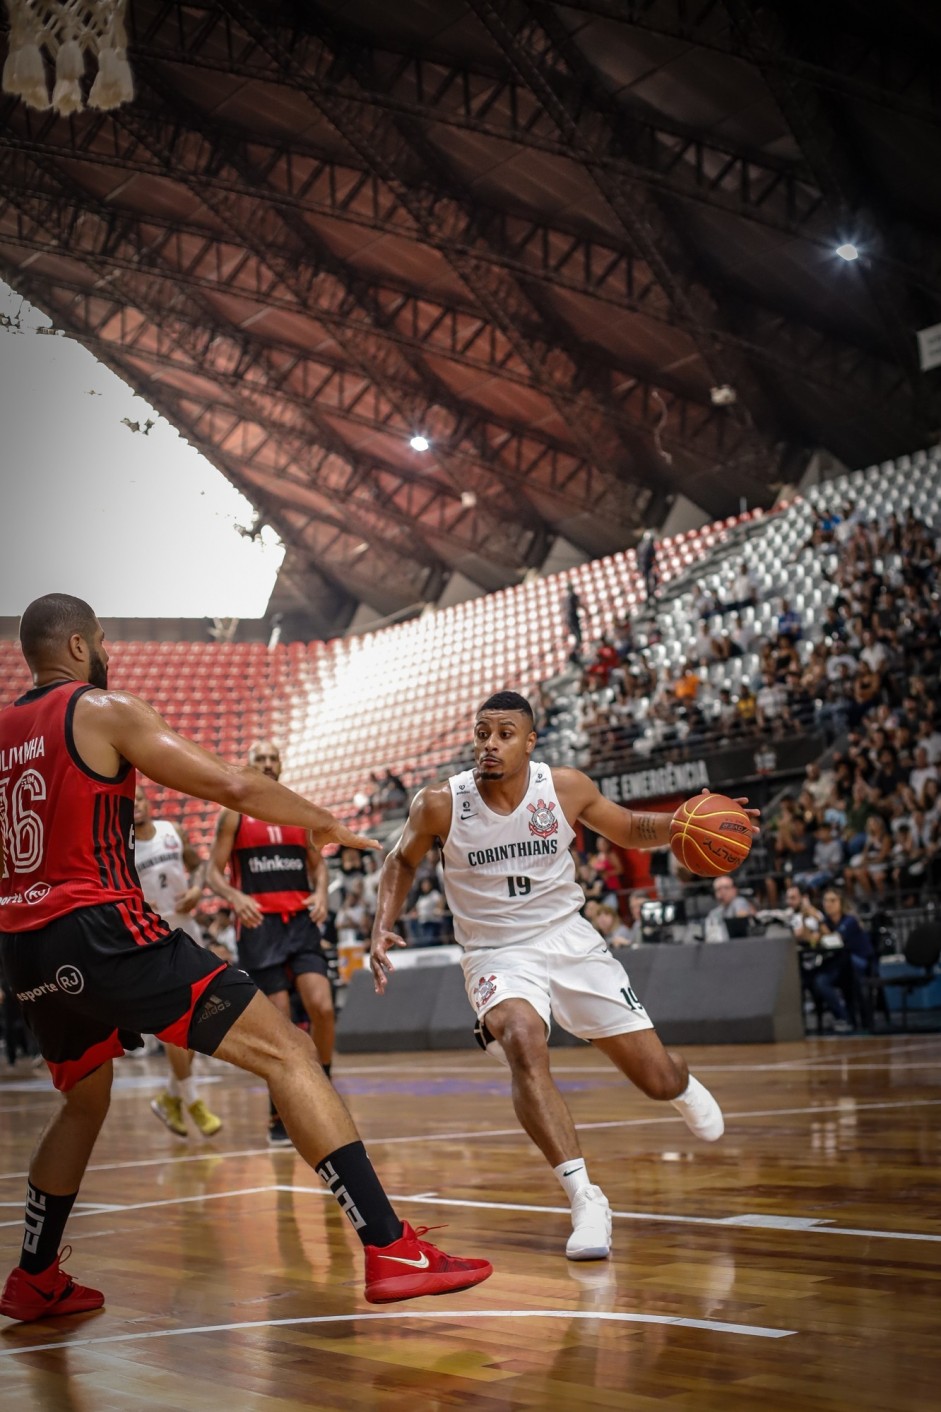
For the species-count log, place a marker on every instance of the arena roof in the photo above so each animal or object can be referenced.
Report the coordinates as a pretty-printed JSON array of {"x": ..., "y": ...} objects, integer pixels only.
[{"x": 540, "y": 235}]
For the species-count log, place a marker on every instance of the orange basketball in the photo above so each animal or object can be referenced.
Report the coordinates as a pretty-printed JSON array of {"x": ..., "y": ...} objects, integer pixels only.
[{"x": 710, "y": 835}]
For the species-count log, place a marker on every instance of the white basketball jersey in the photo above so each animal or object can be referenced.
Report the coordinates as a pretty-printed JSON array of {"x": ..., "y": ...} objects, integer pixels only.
[
  {"x": 509, "y": 877},
  {"x": 163, "y": 875}
]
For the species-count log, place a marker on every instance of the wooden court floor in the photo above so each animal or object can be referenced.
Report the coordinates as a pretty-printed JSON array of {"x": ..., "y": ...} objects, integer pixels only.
[{"x": 795, "y": 1264}]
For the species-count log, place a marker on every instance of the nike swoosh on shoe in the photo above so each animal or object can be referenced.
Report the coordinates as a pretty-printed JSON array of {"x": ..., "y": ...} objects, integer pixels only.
[{"x": 421, "y": 1264}]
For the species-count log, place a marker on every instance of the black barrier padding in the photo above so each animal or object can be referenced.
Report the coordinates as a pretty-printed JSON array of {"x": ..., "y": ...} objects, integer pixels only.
[{"x": 736, "y": 992}]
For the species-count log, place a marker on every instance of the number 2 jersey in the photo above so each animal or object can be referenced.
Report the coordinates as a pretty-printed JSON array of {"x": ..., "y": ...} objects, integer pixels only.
[
  {"x": 164, "y": 876},
  {"x": 68, "y": 833},
  {"x": 269, "y": 862},
  {"x": 509, "y": 877}
]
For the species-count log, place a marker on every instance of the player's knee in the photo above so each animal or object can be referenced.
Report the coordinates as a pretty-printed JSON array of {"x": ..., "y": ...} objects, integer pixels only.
[
  {"x": 89, "y": 1102},
  {"x": 524, "y": 1043}
]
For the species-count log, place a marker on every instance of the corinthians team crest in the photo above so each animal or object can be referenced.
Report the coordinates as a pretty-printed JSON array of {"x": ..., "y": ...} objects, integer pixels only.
[{"x": 543, "y": 821}]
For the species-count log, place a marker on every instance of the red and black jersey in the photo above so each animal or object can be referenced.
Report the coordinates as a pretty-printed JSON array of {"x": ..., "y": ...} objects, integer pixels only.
[
  {"x": 68, "y": 833},
  {"x": 269, "y": 862}
]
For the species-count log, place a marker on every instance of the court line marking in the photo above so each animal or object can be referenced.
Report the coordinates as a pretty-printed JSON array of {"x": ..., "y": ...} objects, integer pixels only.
[
  {"x": 742, "y": 1221},
  {"x": 847, "y": 1105},
  {"x": 167, "y": 1201},
  {"x": 756, "y": 1221},
  {"x": 38, "y": 1084},
  {"x": 665, "y": 1320}
]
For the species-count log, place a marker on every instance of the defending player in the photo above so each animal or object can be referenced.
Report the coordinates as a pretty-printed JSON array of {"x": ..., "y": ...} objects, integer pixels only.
[
  {"x": 172, "y": 876},
  {"x": 90, "y": 962},
  {"x": 506, "y": 828},
  {"x": 279, "y": 897}
]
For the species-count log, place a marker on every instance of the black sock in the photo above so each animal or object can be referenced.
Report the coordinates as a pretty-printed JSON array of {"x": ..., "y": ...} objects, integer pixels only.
[
  {"x": 45, "y": 1221},
  {"x": 349, "y": 1174}
]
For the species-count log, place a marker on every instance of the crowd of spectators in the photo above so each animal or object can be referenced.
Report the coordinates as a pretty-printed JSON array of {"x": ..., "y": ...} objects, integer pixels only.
[{"x": 882, "y": 623}]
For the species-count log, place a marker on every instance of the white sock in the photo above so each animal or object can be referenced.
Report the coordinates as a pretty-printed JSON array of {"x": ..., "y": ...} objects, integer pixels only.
[
  {"x": 173, "y": 1087},
  {"x": 687, "y": 1092},
  {"x": 573, "y": 1176},
  {"x": 187, "y": 1089}
]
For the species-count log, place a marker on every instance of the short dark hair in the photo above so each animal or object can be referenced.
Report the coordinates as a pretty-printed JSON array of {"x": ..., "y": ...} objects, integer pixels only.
[
  {"x": 507, "y": 701},
  {"x": 50, "y": 621}
]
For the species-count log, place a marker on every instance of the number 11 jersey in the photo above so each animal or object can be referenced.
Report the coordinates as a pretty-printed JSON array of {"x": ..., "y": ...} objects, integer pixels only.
[
  {"x": 509, "y": 877},
  {"x": 269, "y": 862}
]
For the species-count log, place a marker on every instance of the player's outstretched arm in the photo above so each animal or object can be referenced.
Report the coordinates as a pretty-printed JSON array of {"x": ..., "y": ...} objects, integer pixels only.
[
  {"x": 429, "y": 818},
  {"x": 628, "y": 828},
  {"x": 132, "y": 730}
]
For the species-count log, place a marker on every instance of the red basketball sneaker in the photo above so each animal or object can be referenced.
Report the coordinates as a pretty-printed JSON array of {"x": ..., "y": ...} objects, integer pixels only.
[
  {"x": 410, "y": 1267},
  {"x": 30, "y": 1297}
]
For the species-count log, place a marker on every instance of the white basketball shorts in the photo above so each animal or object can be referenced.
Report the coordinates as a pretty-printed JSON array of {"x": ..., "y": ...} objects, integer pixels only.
[{"x": 570, "y": 975}]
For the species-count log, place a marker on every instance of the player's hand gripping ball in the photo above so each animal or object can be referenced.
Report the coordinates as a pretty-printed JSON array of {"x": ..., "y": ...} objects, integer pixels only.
[{"x": 710, "y": 835}]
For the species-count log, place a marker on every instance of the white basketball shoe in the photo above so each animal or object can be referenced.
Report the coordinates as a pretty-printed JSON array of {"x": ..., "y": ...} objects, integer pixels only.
[
  {"x": 700, "y": 1112},
  {"x": 591, "y": 1226}
]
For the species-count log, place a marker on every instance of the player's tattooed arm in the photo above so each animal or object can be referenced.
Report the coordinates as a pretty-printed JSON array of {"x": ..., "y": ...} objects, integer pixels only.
[{"x": 646, "y": 830}]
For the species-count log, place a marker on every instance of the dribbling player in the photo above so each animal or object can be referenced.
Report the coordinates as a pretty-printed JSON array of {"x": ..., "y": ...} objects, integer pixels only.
[
  {"x": 91, "y": 963},
  {"x": 506, "y": 829}
]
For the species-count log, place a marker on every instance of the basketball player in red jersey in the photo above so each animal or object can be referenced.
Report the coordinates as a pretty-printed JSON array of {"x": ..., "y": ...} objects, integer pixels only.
[
  {"x": 94, "y": 967},
  {"x": 279, "y": 896}
]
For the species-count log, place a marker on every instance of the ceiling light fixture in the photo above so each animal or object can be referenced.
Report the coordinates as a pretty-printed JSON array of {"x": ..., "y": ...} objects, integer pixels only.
[
  {"x": 847, "y": 251},
  {"x": 419, "y": 442}
]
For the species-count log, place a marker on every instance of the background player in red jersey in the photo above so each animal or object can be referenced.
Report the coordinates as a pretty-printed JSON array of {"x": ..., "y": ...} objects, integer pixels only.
[
  {"x": 279, "y": 895},
  {"x": 92, "y": 964}
]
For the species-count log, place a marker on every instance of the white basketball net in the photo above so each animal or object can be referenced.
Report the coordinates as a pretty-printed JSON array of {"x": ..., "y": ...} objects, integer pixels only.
[{"x": 67, "y": 30}]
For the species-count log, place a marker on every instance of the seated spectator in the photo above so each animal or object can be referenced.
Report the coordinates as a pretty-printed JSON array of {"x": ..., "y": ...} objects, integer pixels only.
[
  {"x": 873, "y": 652},
  {"x": 428, "y": 915},
  {"x": 921, "y": 772},
  {"x": 793, "y": 847},
  {"x": 634, "y": 932},
  {"x": 603, "y": 663},
  {"x": 908, "y": 861},
  {"x": 743, "y": 591},
  {"x": 828, "y": 860},
  {"x": 771, "y": 703},
  {"x": 867, "y": 689},
  {"x": 704, "y": 603},
  {"x": 607, "y": 921},
  {"x": 686, "y": 687},
  {"x": 353, "y": 917},
  {"x": 747, "y": 707},
  {"x": 800, "y": 914},
  {"x": 729, "y": 903},
  {"x": 818, "y": 785},
  {"x": 789, "y": 622},
  {"x": 867, "y": 869},
  {"x": 848, "y": 927},
  {"x": 607, "y": 865},
  {"x": 743, "y": 635}
]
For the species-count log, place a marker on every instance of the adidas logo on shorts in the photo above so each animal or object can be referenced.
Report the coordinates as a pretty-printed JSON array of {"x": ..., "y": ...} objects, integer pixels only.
[{"x": 213, "y": 1006}]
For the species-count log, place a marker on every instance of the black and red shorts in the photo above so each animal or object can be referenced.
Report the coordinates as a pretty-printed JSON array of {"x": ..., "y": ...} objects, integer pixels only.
[
  {"x": 280, "y": 949},
  {"x": 92, "y": 982}
]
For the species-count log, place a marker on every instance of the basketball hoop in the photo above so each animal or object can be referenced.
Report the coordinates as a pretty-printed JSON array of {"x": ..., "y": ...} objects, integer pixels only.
[{"x": 67, "y": 30}]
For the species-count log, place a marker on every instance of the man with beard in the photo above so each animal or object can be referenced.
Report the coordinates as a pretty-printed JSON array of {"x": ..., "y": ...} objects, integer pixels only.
[
  {"x": 279, "y": 897},
  {"x": 94, "y": 967}
]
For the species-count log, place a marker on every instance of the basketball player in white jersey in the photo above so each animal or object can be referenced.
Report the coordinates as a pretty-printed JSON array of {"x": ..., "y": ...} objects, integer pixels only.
[
  {"x": 506, "y": 829},
  {"x": 172, "y": 876}
]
